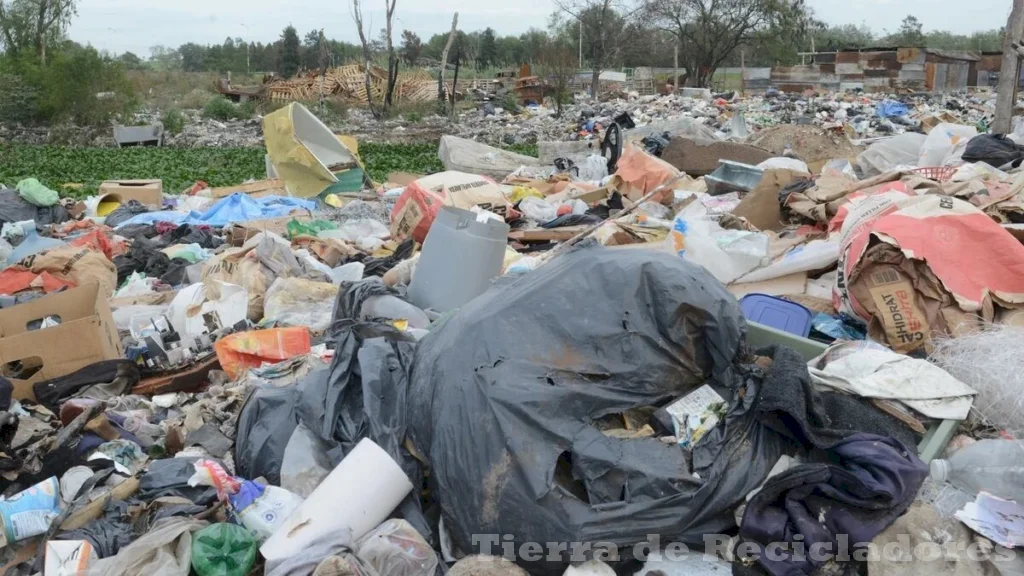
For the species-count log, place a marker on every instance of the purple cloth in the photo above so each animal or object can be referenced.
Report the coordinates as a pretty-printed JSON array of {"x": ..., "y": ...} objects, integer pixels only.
[{"x": 868, "y": 483}]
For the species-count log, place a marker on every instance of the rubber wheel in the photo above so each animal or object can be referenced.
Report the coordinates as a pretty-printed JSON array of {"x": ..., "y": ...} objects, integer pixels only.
[{"x": 611, "y": 147}]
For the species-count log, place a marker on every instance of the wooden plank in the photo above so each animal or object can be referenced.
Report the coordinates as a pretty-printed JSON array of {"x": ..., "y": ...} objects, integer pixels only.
[
  {"x": 94, "y": 509},
  {"x": 543, "y": 235}
]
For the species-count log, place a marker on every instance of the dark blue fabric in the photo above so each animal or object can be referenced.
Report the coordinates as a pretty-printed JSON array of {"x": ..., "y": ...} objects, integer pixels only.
[{"x": 868, "y": 482}]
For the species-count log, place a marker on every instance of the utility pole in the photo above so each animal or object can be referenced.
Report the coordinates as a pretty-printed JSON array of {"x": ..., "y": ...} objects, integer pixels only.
[
  {"x": 743, "y": 72},
  {"x": 676, "y": 75},
  {"x": 1009, "y": 73},
  {"x": 581, "y": 43}
]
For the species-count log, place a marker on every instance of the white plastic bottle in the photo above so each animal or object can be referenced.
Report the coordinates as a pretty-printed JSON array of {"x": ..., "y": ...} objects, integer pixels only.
[{"x": 993, "y": 466}]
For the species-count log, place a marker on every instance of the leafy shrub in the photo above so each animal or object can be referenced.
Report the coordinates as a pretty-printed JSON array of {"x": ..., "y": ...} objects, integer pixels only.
[
  {"x": 77, "y": 84},
  {"x": 510, "y": 102},
  {"x": 196, "y": 99},
  {"x": 246, "y": 110},
  {"x": 18, "y": 100},
  {"x": 413, "y": 117},
  {"x": 220, "y": 109},
  {"x": 173, "y": 121}
]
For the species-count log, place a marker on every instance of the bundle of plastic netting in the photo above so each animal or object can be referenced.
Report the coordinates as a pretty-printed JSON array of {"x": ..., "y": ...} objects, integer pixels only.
[{"x": 992, "y": 362}]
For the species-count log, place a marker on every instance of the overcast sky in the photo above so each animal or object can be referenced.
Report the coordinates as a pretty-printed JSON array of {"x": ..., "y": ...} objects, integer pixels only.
[{"x": 137, "y": 25}]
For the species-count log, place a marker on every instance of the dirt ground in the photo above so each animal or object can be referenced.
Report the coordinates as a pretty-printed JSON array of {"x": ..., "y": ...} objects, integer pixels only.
[{"x": 808, "y": 143}]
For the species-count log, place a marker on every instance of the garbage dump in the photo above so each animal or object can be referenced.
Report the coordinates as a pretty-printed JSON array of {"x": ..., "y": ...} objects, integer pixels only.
[{"x": 740, "y": 327}]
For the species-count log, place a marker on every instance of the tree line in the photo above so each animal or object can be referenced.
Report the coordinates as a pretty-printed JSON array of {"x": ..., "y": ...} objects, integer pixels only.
[{"x": 624, "y": 42}]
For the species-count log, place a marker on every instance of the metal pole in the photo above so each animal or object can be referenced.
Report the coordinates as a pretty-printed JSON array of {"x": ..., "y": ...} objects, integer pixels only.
[
  {"x": 676, "y": 76},
  {"x": 581, "y": 42},
  {"x": 743, "y": 72}
]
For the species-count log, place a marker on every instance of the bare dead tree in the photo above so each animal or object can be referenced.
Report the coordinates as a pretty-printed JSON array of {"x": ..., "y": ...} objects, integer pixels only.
[
  {"x": 710, "y": 31},
  {"x": 444, "y": 62},
  {"x": 392, "y": 59},
  {"x": 559, "y": 62},
  {"x": 603, "y": 22},
  {"x": 455, "y": 82},
  {"x": 357, "y": 15}
]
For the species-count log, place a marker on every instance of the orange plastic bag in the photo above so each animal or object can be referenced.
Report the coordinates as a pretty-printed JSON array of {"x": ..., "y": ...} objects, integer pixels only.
[
  {"x": 638, "y": 173},
  {"x": 240, "y": 352}
]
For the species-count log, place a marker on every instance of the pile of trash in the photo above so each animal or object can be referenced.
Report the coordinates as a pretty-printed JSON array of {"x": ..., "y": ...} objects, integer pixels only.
[{"x": 666, "y": 352}]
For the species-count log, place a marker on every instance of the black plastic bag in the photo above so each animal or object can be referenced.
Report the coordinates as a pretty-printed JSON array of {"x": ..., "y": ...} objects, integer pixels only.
[
  {"x": 14, "y": 208},
  {"x": 506, "y": 392},
  {"x": 265, "y": 425},
  {"x": 995, "y": 150},
  {"x": 169, "y": 477},
  {"x": 125, "y": 212}
]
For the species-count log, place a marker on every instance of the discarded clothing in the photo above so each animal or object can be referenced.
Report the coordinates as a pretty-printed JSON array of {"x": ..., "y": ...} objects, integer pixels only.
[
  {"x": 235, "y": 208},
  {"x": 868, "y": 482},
  {"x": 189, "y": 234},
  {"x": 51, "y": 393}
]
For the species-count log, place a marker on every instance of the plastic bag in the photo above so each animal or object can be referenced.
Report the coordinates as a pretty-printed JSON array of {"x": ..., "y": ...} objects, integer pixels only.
[
  {"x": 941, "y": 142},
  {"x": 726, "y": 254},
  {"x": 223, "y": 550},
  {"x": 136, "y": 285},
  {"x": 305, "y": 463},
  {"x": 239, "y": 352},
  {"x": 34, "y": 192},
  {"x": 537, "y": 209},
  {"x": 351, "y": 272},
  {"x": 593, "y": 168},
  {"x": 995, "y": 150},
  {"x": 785, "y": 164},
  {"x": 311, "y": 228},
  {"x": 395, "y": 548},
  {"x": 367, "y": 233},
  {"x": 299, "y": 302},
  {"x": 191, "y": 305},
  {"x": 902, "y": 150},
  {"x": 165, "y": 550},
  {"x": 210, "y": 473},
  {"x": 263, "y": 509}
]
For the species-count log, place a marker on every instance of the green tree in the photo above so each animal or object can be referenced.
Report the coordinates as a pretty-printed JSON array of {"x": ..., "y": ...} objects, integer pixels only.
[
  {"x": 311, "y": 49},
  {"x": 290, "y": 58},
  {"x": 130, "y": 61},
  {"x": 909, "y": 34},
  {"x": 412, "y": 47},
  {"x": 487, "y": 54},
  {"x": 34, "y": 24}
]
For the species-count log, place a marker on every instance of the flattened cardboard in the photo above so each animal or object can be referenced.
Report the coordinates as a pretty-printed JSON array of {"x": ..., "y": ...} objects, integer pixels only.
[
  {"x": 146, "y": 192},
  {"x": 761, "y": 207},
  {"x": 86, "y": 335},
  {"x": 257, "y": 189},
  {"x": 782, "y": 286}
]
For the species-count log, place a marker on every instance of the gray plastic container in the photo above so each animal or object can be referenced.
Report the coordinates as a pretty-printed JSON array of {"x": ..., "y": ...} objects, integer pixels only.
[{"x": 460, "y": 257}]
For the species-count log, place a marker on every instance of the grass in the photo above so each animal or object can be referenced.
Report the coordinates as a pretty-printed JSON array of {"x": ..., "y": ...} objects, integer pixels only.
[{"x": 180, "y": 168}]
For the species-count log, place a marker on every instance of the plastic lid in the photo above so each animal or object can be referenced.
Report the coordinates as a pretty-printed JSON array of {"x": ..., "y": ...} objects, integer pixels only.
[{"x": 939, "y": 470}]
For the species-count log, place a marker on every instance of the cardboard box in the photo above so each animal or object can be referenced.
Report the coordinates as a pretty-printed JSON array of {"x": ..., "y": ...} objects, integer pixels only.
[
  {"x": 147, "y": 192},
  {"x": 68, "y": 557},
  {"x": 86, "y": 335}
]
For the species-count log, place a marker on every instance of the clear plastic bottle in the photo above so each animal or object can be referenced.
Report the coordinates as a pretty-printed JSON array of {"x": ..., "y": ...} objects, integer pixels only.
[{"x": 993, "y": 466}]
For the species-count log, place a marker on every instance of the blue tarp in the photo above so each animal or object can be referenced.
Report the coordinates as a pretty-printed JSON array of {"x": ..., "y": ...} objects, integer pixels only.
[
  {"x": 235, "y": 208},
  {"x": 890, "y": 108}
]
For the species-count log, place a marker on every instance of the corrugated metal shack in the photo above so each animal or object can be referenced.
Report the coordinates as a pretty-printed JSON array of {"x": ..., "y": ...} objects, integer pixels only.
[
  {"x": 881, "y": 69},
  {"x": 989, "y": 67}
]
